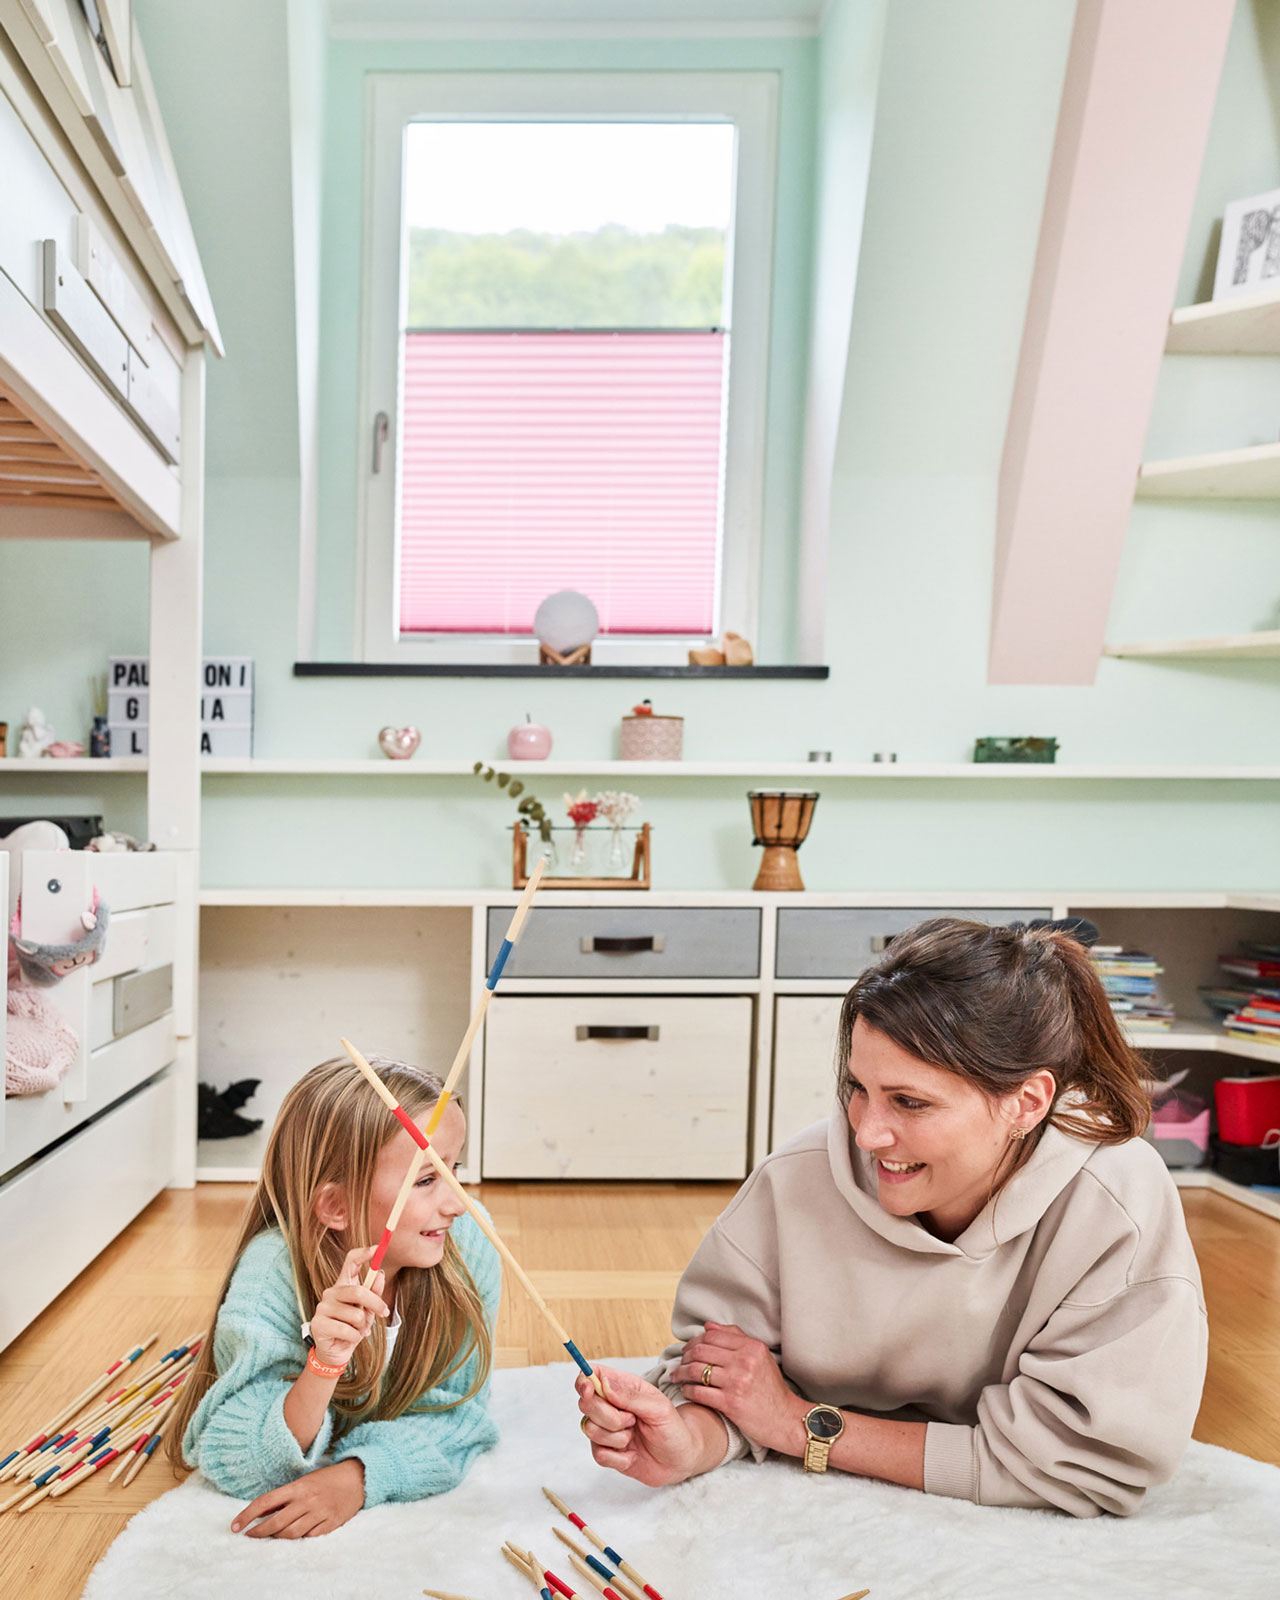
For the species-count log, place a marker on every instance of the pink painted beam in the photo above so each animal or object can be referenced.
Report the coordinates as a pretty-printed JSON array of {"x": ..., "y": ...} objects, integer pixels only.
[{"x": 1136, "y": 105}]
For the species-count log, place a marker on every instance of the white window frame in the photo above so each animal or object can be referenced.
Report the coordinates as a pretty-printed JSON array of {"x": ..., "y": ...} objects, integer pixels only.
[{"x": 747, "y": 99}]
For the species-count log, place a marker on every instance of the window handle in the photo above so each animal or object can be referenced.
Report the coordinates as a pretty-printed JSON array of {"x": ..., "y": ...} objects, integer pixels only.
[
  {"x": 598, "y": 944},
  {"x": 596, "y": 1030},
  {"x": 381, "y": 432}
]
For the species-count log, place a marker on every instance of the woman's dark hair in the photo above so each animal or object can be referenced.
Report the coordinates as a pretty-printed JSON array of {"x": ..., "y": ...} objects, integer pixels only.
[{"x": 996, "y": 1004}]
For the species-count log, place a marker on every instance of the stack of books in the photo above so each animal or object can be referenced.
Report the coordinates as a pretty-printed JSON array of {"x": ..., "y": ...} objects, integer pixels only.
[
  {"x": 1223, "y": 999},
  {"x": 1255, "y": 1015},
  {"x": 1129, "y": 977}
]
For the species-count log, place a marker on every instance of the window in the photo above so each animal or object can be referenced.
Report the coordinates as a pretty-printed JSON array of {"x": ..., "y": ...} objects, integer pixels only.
[{"x": 566, "y": 332}]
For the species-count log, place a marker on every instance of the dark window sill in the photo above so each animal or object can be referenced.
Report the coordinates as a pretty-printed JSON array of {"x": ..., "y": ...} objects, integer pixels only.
[{"x": 395, "y": 669}]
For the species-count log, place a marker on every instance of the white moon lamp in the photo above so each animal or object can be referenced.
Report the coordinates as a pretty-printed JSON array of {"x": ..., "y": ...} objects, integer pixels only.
[{"x": 565, "y": 624}]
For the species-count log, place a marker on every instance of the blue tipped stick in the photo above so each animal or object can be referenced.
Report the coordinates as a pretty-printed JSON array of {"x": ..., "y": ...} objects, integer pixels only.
[
  {"x": 583, "y": 1364},
  {"x": 499, "y": 961}
]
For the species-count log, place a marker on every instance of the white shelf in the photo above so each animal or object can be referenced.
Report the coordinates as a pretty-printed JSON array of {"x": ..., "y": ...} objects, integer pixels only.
[
  {"x": 1203, "y": 1178},
  {"x": 1064, "y": 902},
  {"x": 1249, "y": 474},
  {"x": 1245, "y": 325},
  {"x": 1200, "y": 1036},
  {"x": 813, "y": 772},
  {"x": 1232, "y": 647},
  {"x": 1261, "y": 901},
  {"x": 51, "y": 765}
]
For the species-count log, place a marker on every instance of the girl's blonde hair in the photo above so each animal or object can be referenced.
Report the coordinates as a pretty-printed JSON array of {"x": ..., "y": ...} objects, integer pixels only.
[{"x": 329, "y": 1130}]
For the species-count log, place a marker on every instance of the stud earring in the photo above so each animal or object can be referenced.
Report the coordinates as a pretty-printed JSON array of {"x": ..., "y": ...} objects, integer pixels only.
[{"x": 1017, "y": 1133}]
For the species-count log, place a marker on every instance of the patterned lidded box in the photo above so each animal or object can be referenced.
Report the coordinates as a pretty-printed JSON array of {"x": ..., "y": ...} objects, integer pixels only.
[{"x": 652, "y": 738}]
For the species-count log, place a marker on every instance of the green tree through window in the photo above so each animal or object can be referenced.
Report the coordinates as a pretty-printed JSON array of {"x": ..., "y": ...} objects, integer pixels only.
[{"x": 609, "y": 278}]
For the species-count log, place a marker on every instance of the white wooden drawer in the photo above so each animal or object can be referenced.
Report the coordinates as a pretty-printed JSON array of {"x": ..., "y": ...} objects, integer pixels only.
[
  {"x": 841, "y": 941},
  {"x": 631, "y": 942},
  {"x": 141, "y": 938},
  {"x": 136, "y": 878},
  {"x": 804, "y": 1053},
  {"x": 36, "y": 207},
  {"x": 34, "y": 1121},
  {"x": 57, "y": 1214},
  {"x": 646, "y": 1086}
]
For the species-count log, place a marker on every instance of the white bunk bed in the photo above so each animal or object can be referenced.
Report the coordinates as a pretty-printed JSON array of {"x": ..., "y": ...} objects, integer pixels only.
[{"x": 104, "y": 322}]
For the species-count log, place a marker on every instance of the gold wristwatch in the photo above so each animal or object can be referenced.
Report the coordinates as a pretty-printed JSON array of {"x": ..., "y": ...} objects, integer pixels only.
[{"x": 823, "y": 1426}]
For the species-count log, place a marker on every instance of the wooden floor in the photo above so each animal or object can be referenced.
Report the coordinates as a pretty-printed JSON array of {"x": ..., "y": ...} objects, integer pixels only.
[{"x": 606, "y": 1257}]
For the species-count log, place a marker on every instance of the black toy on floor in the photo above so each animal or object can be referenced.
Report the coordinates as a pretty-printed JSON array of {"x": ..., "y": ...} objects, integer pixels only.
[{"x": 218, "y": 1111}]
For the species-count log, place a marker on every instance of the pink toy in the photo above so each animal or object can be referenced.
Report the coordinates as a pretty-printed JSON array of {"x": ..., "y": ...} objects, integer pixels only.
[
  {"x": 529, "y": 741},
  {"x": 47, "y": 964}
]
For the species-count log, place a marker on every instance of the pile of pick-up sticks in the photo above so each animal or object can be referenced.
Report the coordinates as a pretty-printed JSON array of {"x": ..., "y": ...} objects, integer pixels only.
[
  {"x": 129, "y": 1423},
  {"x": 613, "y": 1577}
]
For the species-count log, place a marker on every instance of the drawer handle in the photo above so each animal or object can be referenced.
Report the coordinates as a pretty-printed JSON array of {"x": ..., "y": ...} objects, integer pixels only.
[
  {"x": 595, "y": 1030},
  {"x": 881, "y": 941},
  {"x": 598, "y": 944}
]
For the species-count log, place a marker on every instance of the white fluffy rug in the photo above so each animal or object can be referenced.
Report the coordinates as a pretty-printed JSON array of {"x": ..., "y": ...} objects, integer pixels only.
[{"x": 747, "y": 1532}]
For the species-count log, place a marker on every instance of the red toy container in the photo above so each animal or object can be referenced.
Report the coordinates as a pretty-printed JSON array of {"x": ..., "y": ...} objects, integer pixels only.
[{"x": 1248, "y": 1108}]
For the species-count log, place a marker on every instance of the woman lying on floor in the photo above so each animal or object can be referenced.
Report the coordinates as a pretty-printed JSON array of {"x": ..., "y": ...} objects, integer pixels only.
[{"x": 975, "y": 1279}]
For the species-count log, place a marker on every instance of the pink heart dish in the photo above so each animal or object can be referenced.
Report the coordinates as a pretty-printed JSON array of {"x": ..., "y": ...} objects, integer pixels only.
[{"x": 399, "y": 743}]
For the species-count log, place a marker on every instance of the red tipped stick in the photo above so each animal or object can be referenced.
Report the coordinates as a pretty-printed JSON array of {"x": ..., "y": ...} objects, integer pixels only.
[
  {"x": 455, "y": 1071},
  {"x": 623, "y": 1567},
  {"x": 15, "y": 1458}
]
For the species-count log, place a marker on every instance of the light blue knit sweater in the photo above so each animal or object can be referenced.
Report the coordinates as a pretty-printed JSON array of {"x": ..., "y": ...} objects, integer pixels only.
[{"x": 238, "y": 1436}]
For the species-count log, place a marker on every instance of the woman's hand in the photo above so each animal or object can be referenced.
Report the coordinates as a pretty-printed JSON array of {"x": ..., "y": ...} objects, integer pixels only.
[
  {"x": 346, "y": 1311},
  {"x": 745, "y": 1385},
  {"x": 317, "y": 1502},
  {"x": 639, "y": 1433}
]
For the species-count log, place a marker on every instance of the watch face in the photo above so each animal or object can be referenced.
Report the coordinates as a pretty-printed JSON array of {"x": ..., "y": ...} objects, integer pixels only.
[{"x": 824, "y": 1422}]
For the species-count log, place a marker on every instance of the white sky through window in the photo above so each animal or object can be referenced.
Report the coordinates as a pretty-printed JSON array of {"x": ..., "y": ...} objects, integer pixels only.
[{"x": 567, "y": 177}]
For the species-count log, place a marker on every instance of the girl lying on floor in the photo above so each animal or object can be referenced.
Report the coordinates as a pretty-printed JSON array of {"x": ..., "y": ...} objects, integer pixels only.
[
  {"x": 394, "y": 1385},
  {"x": 973, "y": 1279}
]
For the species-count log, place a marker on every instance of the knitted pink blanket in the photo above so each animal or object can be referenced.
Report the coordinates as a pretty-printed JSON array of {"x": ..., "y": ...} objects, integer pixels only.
[{"x": 40, "y": 1046}]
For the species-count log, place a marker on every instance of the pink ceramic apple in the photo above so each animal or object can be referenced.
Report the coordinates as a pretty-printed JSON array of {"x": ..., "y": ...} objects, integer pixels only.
[{"x": 529, "y": 741}]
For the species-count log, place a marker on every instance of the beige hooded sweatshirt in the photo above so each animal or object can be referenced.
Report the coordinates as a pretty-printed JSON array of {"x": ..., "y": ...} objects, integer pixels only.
[{"x": 1056, "y": 1349}]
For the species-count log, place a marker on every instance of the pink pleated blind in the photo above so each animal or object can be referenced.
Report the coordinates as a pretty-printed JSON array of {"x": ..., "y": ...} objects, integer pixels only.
[{"x": 533, "y": 462}]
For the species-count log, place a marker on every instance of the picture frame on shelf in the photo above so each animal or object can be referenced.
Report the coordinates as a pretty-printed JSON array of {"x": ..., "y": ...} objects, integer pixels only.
[{"x": 1249, "y": 250}]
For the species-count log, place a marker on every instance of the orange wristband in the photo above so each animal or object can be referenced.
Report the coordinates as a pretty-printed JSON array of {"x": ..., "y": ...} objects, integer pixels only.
[{"x": 321, "y": 1369}]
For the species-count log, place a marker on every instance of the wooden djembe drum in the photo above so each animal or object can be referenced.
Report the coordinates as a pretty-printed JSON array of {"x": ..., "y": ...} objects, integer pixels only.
[{"x": 781, "y": 819}]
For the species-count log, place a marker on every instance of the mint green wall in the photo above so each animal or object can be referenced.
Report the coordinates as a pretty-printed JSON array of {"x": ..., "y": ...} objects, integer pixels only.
[{"x": 965, "y": 122}]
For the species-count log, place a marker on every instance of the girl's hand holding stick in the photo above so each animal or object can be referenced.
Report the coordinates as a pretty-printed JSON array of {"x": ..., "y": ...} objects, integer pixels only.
[{"x": 344, "y": 1316}]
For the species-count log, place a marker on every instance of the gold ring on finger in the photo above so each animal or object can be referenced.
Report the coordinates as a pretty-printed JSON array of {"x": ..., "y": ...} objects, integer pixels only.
[
  {"x": 582, "y": 1423},
  {"x": 706, "y": 1375}
]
